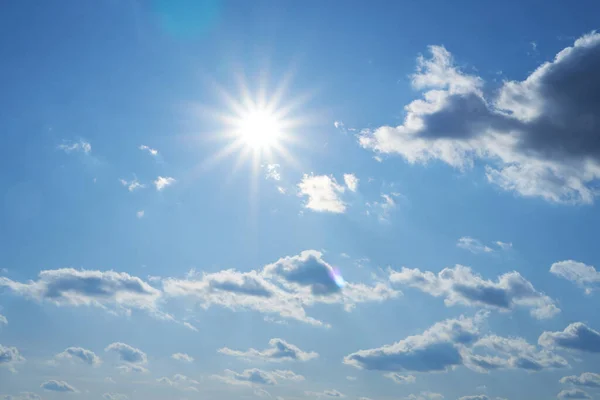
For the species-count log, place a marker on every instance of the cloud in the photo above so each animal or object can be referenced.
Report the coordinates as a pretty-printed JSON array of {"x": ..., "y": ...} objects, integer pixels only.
[
  {"x": 140, "y": 214},
  {"x": 273, "y": 172},
  {"x": 10, "y": 356},
  {"x": 163, "y": 182},
  {"x": 323, "y": 193},
  {"x": 114, "y": 396},
  {"x": 80, "y": 146},
  {"x": 179, "y": 381},
  {"x": 351, "y": 182},
  {"x": 473, "y": 245},
  {"x": 573, "y": 394},
  {"x": 182, "y": 357},
  {"x": 285, "y": 287},
  {"x": 129, "y": 368},
  {"x": 401, "y": 379},
  {"x": 538, "y": 136},
  {"x": 151, "y": 151},
  {"x": 132, "y": 185},
  {"x": 475, "y": 397},
  {"x": 58, "y": 386},
  {"x": 84, "y": 355},
  {"x": 351, "y": 378},
  {"x": 22, "y": 396},
  {"x": 585, "y": 276},
  {"x": 382, "y": 209},
  {"x": 327, "y": 394},
  {"x": 248, "y": 377},
  {"x": 586, "y": 379},
  {"x": 504, "y": 245},
  {"x": 424, "y": 396},
  {"x": 288, "y": 375},
  {"x": 279, "y": 350},
  {"x": 108, "y": 290},
  {"x": 439, "y": 348},
  {"x": 3, "y": 320},
  {"x": 128, "y": 353},
  {"x": 459, "y": 285},
  {"x": 576, "y": 336}
]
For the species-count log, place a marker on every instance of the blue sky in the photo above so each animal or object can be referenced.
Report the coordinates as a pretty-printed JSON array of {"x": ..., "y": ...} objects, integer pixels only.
[{"x": 286, "y": 200}]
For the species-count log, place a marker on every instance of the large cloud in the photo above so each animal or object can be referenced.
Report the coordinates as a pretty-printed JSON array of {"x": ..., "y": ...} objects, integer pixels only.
[
  {"x": 107, "y": 289},
  {"x": 284, "y": 288},
  {"x": 576, "y": 336},
  {"x": 279, "y": 350},
  {"x": 539, "y": 136},
  {"x": 586, "y": 379},
  {"x": 459, "y": 285},
  {"x": 84, "y": 355},
  {"x": 579, "y": 273}
]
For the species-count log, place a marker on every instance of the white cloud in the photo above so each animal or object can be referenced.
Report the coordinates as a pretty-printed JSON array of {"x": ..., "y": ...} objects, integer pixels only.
[
  {"x": 80, "y": 146},
  {"x": 586, "y": 379},
  {"x": 81, "y": 354},
  {"x": 326, "y": 394},
  {"x": 537, "y": 136},
  {"x": 163, "y": 182},
  {"x": 351, "y": 182},
  {"x": 573, "y": 394},
  {"x": 108, "y": 290},
  {"x": 132, "y": 359},
  {"x": 132, "y": 185},
  {"x": 9, "y": 356},
  {"x": 114, "y": 396},
  {"x": 384, "y": 208},
  {"x": 576, "y": 336},
  {"x": 151, "y": 151},
  {"x": 273, "y": 172},
  {"x": 182, "y": 357},
  {"x": 140, "y": 214},
  {"x": 248, "y": 377},
  {"x": 58, "y": 386},
  {"x": 3, "y": 320},
  {"x": 475, "y": 397},
  {"x": 401, "y": 379},
  {"x": 585, "y": 276},
  {"x": 179, "y": 381},
  {"x": 22, "y": 396},
  {"x": 351, "y": 378},
  {"x": 459, "y": 285},
  {"x": 323, "y": 193},
  {"x": 473, "y": 245},
  {"x": 424, "y": 396},
  {"x": 279, "y": 350},
  {"x": 504, "y": 245}
]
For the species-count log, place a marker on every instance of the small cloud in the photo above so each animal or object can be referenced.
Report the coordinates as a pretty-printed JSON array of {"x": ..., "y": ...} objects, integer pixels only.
[
  {"x": 81, "y": 354},
  {"x": 344, "y": 255},
  {"x": 281, "y": 190},
  {"x": 114, "y": 396},
  {"x": 323, "y": 193},
  {"x": 382, "y": 209},
  {"x": 150, "y": 150},
  {"x": 504, "y": 245},
  {"x": 182, "y": 357},
  {"x": 351, "y": 378},
  {"x": 473, "y": 245},
  {"x": 80, "y": 146},
  {"x": 58, "y": 386},
  {"x": 326, "y": 394},
  {"x": 273, "y": 172},
  {"x": 573, "y": 394},
  {"x": 132, "y": 185},
  {"x": 351, "y": 182},
  {"x": 140, "y": 214},
  {"x": 401, "y": 379},
  {"x": 163, "y": 182},
  {"x": 190, "y": 326},
  {"x": 3, "y": 320}
]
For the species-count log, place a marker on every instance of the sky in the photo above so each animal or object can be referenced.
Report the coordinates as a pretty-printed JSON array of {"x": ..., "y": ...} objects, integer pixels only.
[{"x": 299, "y": 200}]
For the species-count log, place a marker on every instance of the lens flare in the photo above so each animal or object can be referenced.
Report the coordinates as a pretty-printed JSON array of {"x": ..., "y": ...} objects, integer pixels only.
[{"x": 336, "y": 276}]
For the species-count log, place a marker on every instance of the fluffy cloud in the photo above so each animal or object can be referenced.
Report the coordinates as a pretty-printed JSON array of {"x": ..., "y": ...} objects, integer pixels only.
[
  {"x": 576, "y": 336},
  {"x": 10, "y": 356},
  {"x": 182, "y": 357},
  {"x": 573, "y": 394},
  {"x": 323, "y": 193},
  {"x": 401, "y": 379},
  {"x": 586, "y": 379},
  {"x": 84, "y": 355},
  {"x": 70, "y": 146},
  {"x": 151, "y": 151},
  {"x": 459, "y": 285},
  {"x": 439, "y": 348},
  {"x": 58, "y": 386},
  {"x": 538, "y": 136},
  {"x": 351, "y": 182},
  {"x": 582, "y": 275},
  {"x": 473, "y": 245},
  {"x": 327, "y": 394},
  {"x": 127, "y": 353},
  {"x": 108, "y": 289},
  {"x": 162, "y": 182},
  {"x": 284, "y": 287},
  {"x": 279, "y": 350}
]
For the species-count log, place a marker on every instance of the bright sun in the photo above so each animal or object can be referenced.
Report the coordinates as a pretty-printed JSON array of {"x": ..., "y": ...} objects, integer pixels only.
[{"x": 259, "y": 129}]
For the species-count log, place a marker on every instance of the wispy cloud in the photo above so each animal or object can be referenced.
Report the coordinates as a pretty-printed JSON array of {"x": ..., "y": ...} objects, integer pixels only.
[
  {"x": 151, "y": 151},
  {"x": 163, "y": 182},
  {"x": 79, "y": 146}
]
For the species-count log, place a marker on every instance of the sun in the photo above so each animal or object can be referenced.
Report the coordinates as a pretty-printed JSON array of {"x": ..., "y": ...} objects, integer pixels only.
[{"x": 259, "y": 129}]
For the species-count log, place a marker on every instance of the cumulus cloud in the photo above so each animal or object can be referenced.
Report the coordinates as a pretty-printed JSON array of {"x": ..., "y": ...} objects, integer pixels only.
[
  {"x": 10, "y": 356},
  {"x": 586, "y": 379},
  {"x": 58, "y": 386},
  {"x": 132, "y": 185},
  {"x": 81, "y": 354},
  {"x": 162, "y": 182},
  {"x": 79, "y": 146},
  {"x": 332, "y": 393},
  {"x": 538, "y": 136},
  {"x": 151, "y": 151},
  {"x": 576, "y": 336},
  {"x": 279, "y": 350},
  {"x": 182, "y": 357},
  {"x": 351, "y": 182},
  {"x": 128, "y": 353},
  {"x": 401, "y": 379},
  {"x": 573, "y": 394},
  {"x": 473, "y": 245},
  {"x": 323, "y": 192},
  {"x": 459, "y": 285},
  {"x": 285, "y": 288},
  {"x": 585, "y": 276},
  {"x": 106, "y": 289}
]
